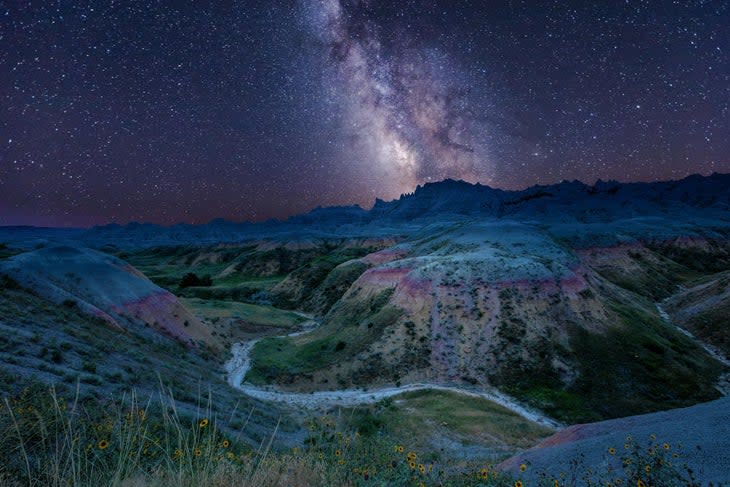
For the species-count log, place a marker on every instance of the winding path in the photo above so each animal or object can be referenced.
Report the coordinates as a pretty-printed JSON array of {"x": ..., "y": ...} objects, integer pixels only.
[{"x": 240, "y": 363}]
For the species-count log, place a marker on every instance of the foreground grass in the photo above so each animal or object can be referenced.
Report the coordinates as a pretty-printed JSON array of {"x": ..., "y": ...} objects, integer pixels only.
[
  {"x": 452, "y": 423},
  {"x": 48, "y": 440}
]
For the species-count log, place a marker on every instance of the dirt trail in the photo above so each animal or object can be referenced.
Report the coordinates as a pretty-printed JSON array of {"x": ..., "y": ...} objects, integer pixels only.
[{"x": 240, "y": 363}]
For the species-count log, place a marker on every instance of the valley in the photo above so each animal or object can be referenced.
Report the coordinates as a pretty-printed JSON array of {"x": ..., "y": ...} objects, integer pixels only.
[{"x": 465, "y": 321}]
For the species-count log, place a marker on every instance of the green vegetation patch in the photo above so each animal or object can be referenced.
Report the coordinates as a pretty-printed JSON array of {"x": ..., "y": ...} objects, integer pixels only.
[
  {"x": 658, "y": 279},
  {"x": 641, "y": 366},
  {"x": 254, "y": 314},
  {"x": 250, "y": 274},
  {"x": 713, "y": 326},
  {"x": 347, "y": 330},
  {"x": 417, "y": 417},
  {"x": 320, "y": 283},
  {"x": 710, "y": 258}
]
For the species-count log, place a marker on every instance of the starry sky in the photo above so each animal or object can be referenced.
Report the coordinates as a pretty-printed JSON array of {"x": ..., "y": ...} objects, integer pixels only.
[{"x": 172, "y": 111}]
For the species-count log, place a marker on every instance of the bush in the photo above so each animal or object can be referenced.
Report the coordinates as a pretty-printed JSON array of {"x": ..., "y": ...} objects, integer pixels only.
[
  {"x": 192, "y": 280},
  {"x": 56, "y": 356}
]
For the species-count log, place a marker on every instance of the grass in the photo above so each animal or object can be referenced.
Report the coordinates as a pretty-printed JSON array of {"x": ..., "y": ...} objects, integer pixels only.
[
  {"x": 257, "y": 315},
  {"x": 348, "y": 329},
  {"x": 657, "y": 278},
  {"x": 711, "y": 326},
  {"x": 166, "y": 266},
  {"x": 249, "y": 271},
  {"x": 637, "y": 366},
  {"x": 44, "y": 342},
  {"x": 318, "y": 285},
  {"x": 422, "y": 418},
  {"x": 657, "y": 368},
  {"x": 47, "y": 439}
]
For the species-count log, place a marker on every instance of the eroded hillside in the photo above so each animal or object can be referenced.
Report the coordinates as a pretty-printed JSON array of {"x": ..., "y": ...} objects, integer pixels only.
[{"x": 574, "y": 331}]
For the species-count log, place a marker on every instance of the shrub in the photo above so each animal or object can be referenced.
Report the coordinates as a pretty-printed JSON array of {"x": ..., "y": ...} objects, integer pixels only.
[{"x": 192, "y": 280}]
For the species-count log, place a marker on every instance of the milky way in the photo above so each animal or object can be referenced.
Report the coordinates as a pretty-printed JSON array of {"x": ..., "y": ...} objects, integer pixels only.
[
  {"x": 408, "y": 114},
  {"x": 170, "y": 112}
]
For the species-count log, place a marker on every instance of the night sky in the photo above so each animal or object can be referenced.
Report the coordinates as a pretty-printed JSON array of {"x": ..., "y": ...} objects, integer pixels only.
[{"x": 175, "y": 111}]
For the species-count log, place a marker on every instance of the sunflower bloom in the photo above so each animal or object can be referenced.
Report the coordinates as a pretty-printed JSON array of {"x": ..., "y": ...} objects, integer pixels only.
[
  {"x": 203, "y": 422},
  {"x": 523, "y": 467},
  {"x": 103, "y": 445}
]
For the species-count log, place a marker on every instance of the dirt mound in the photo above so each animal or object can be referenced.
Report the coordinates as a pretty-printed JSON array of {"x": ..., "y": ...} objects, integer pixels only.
[
  {"x": 106, "y": 287},
  {"x": 702, "y": 430}
]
